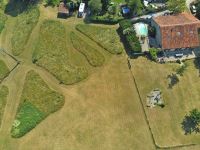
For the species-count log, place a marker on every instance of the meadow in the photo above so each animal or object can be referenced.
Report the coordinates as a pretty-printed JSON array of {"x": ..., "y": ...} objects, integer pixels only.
[
  {"x": 37, "y": 102},
  {"x": 105, "y": 37},
  {"x": 94, "y": 57},
  {"x": 24, "y": 25},
  {"x": 4, "y": 70},
  {"x": 179, "y": 100},
  {"x": 3, "y": 19},
  {"x": 52, "y": 52}
]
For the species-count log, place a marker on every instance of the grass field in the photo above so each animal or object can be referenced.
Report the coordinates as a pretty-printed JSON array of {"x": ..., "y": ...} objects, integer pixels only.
[
  {"x": 3, "y": 70},
  {"x": 94, "y": 57},
  {"x": 51, "y": 53},
  {"x": 3, "y": 98},
  {"x": 106, "y": 37},
  {"x": 183, "y": 97},
  {"x": 37, "y": 102},
  {"x": 3, "y": 19},
  {"x": 23, "y": 27}
]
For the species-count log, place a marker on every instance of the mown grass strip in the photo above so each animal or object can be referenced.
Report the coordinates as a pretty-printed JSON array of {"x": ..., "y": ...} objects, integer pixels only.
[
  {"x": 105, "y": 37},
  {"x": 3, "y": 70},
  {"x": 23, "y": 27},
  {"x": 51, "y": 53},
  {"x": 3, "y": 19},
  {"x": 37, "y": 102},
  {"x": 93, "y": 56},
  {"x": 3, "y": 97}
]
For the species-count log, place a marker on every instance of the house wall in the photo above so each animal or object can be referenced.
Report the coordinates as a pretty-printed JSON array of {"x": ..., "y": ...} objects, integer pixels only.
[{"x": 158, "y": 33}]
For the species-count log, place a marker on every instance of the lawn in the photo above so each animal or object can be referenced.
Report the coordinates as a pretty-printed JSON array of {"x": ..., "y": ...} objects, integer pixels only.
[
  {"x": 3, "y": 70},
  {"x": 105, "y": 37},
  {"x": 3, "y": 98},
  {"x": 183, "y": 97},
  {"x": 52, "y": 53},
  {"x": 94, "y": 57},
  {"x": 24, "y": 25},
  {"x": 3, "y": 19},
  {"x": 37, "y": 102}
]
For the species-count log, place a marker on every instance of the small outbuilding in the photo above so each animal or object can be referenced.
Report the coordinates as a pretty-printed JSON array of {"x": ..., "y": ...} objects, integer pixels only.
[{"x": 63, "y": 11}]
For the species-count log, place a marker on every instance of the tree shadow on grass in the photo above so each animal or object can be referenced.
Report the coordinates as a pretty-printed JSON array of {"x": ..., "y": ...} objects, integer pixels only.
[
  {"x": 16, "y": 7},
  {"x": 189, "y": 125}
]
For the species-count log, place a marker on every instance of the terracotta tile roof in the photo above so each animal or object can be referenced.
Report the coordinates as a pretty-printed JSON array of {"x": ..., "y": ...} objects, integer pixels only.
[
  {"x": 62, "y": 8},
  {"x": 178, "y": 31}
]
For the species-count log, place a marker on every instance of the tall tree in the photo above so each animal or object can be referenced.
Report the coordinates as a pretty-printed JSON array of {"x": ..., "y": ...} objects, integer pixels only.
[
  {"x": 95, "y": 6},
  {"x": 176, "y": 6},
  {"x": 136, "y": 6}
]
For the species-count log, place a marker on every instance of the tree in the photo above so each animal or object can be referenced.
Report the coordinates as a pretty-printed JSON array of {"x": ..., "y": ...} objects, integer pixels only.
[
  {"x": 95, "y": 6},
  {"x": 153, "y": 52},
  {"x": 191, "y": 122},
  {"x": 176, "y": 6},
  {"x": 105, "y": 4},
  {"x": 52, "y": 2},
  {"x": 112, "y": 10},
  {"x": 136, "y": 6}
]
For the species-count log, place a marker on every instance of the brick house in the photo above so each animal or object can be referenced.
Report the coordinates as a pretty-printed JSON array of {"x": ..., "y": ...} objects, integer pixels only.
[{"x": 176, "y": 31}]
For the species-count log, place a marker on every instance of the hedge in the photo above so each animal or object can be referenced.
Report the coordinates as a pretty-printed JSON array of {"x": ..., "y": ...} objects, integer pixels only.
[
  {"x": 131, "y": 39},
  {"x": 105, "y": 19}
]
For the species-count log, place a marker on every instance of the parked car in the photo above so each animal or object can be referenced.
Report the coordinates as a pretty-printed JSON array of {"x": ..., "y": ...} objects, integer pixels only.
[{"x": 81, "y": 10}]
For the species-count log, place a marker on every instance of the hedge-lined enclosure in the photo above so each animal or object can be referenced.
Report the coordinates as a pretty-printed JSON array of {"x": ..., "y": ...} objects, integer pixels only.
[
  {"x": 93, "y": 56},
  {"x": 105, "y": 37},
  {"x": 3, "y": 19},
  {"x": 3, "y": 97},
  {"x": 51, "y": 52},
  {"x": 36, "y": 103},
  {"x": 130, "y": 36},
  {"x": 4, "y": 70},
  {"x": 23, "y": 27}
]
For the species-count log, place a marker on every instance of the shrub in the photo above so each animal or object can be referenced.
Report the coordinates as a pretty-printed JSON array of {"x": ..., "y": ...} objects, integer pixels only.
[
  {"x": 131, "y": 38},
  {"x": 52, "y": 2},
  {"x": 181, "y": 69},
  {"x": 153, "y": 52},
  {"x": 94, "y": 57},
  {"x": 105, "y": 19},
  {"x": 23, "y": 28}
]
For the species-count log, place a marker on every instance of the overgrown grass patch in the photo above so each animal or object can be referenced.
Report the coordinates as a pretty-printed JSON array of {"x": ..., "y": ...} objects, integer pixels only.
[
  {"x": 3, "y": 97},
  {"x": 37, "y": 102},
  {"x": 52, "y": 52},
  {"x": 105, "y": 37},
  {"x": 94, "y": 57},
  {"x": 4, "y": 70},
  {"x": 3, "y": 19},
  {"x": 23, "y": 27}
]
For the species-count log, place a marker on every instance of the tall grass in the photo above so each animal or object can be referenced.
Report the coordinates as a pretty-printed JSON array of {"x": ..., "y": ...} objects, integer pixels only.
[
  {"x": 23, "y": 27},
  {"x": 3, "y": 19},
  {"x": 51, "y": 53},
  {"x": 94, "y": 57},
  {"x": 105, "y": 37},
  {"x": 3, "y": 97},
  {"x": 3, "y": 70},
  {"x": 37, "y": 102}
]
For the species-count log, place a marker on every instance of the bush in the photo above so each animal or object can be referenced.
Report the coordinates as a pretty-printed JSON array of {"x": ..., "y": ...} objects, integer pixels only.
[
  {"x": 52, "y": 2},
  {"x": 105, "y": 19},
  {"x": 153, "y": 52},
  {"x": 23, "y": 28},
  {"x": 131, "y": 39},
  {"x": 181, "y": 69},
  {"x": 94, "y": 57}
]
